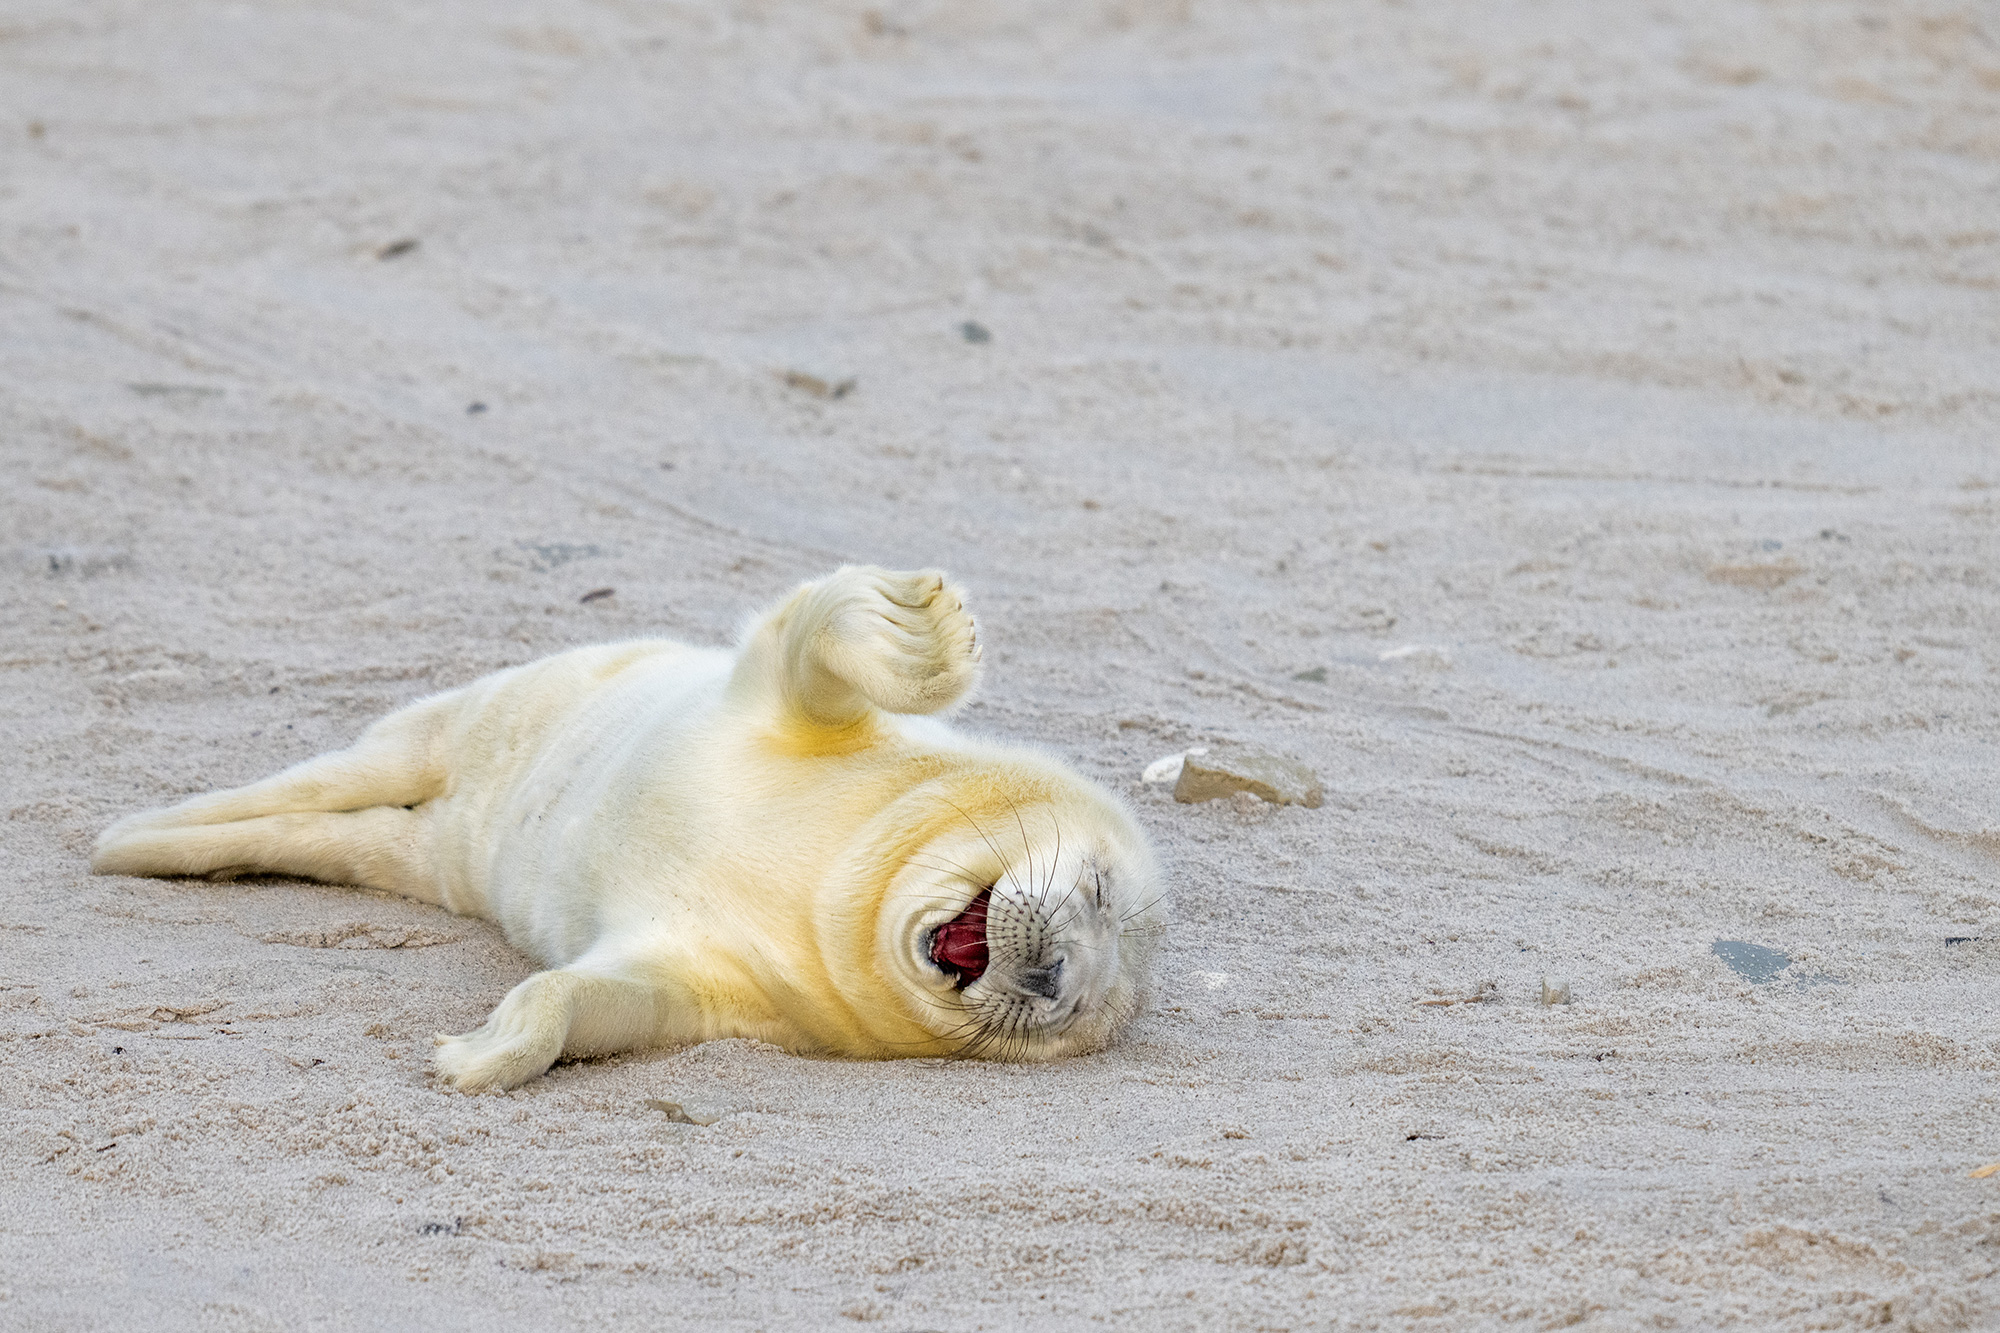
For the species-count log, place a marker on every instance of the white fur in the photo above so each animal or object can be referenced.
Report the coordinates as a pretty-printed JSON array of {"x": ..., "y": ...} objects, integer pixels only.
[{"x": 701, "y": 843}]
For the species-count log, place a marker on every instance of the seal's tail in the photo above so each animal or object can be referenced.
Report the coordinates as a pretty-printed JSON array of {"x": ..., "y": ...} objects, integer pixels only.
[{"x": 353, "y": 816}]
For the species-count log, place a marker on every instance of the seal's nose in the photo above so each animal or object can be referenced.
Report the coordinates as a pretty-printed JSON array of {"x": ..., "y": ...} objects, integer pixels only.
[{"x": 1043, "y": 981}]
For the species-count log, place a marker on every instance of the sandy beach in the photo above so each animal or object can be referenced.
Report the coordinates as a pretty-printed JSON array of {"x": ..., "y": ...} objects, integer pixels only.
[{"x": 1573, "y": 430}]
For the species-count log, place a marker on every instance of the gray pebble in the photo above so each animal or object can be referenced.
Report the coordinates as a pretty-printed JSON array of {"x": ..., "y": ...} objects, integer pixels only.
[{"x": 1755, "y": 963}]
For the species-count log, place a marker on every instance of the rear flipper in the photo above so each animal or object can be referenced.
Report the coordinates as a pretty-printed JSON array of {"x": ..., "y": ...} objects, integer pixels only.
[
  {"x": 386, "y": 847},
  {"x": 342, "y": 817},
  {"x": 571, "y": 1011}
]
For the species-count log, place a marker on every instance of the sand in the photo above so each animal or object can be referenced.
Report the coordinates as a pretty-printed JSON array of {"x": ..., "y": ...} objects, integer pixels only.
[{"x": 1569, "y": 428}]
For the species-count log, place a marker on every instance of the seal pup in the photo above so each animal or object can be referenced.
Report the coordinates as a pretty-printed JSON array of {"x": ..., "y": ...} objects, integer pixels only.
[{"x": 770, "y": 842}]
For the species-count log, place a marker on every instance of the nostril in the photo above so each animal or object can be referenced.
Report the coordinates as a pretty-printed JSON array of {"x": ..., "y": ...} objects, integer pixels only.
[{"x": 1043, "y": 981}]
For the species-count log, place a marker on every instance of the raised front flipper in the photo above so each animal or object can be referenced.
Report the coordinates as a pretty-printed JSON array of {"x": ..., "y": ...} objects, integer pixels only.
[{"x": 862, "y": 638}]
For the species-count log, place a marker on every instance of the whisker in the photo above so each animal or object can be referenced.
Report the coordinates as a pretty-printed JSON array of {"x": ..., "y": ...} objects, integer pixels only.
[
  {"x": 1145, "y": 907},
  {"x": 1027, "y": 848},
  {"x": 1056, "y": 864},
  {"x": 951, "y": 868},
  {"x": 980, "y": 831}
]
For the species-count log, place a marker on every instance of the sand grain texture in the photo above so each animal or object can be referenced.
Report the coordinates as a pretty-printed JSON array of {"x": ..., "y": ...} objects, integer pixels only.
[{"x": 1572, "y": 434}]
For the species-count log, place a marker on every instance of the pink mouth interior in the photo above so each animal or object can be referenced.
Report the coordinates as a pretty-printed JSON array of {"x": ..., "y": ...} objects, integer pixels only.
[{"x": 960, "y": 943}]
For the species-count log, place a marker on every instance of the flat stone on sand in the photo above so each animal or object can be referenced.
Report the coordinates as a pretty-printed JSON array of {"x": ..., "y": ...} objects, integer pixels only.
[{"x": 1227, "y": 769}]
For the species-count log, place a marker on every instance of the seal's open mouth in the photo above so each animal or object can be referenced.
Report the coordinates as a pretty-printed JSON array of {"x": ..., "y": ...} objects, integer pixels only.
[{"x": 959, "y": 945}]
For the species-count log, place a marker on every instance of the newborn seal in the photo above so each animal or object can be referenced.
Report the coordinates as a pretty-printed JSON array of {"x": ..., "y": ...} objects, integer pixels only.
[{"x": 699, "y": 843}]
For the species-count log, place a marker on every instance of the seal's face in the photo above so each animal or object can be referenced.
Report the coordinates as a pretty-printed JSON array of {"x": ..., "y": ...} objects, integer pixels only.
[{"x": 1027, "y": 942}]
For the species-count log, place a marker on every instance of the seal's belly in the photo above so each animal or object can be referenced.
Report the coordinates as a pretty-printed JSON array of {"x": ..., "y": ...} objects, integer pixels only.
[
  {"x": 619, "y": 812},
  {"x": 638, "y": 816},
  {"x": 540, "y": 760}
]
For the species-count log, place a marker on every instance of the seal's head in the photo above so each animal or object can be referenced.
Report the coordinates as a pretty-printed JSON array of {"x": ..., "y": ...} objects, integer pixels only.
[{"x": 1024, "y": 928}]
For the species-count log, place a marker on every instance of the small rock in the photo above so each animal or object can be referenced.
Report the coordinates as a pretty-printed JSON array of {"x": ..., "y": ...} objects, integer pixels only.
[
  {"x": 975, "y": 332},
  {"x": 395, "y": 249},
  {"x": 1168, "y": 769},
  {"x": 1774, "y": 575},
  {"x": 1227, "y": 769},
  {"x": 597, "y": 595},
  {"x": 1486, "y": 992},
  {"x": 87, "y": 562},
  {"x": 1426, "y": 656},
  {"x": 1755, "y": 963},
  {"x": 175, "y": 393},
  {"x": 818, "y": 386},
  {"x": 687, "y": 1113}
]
